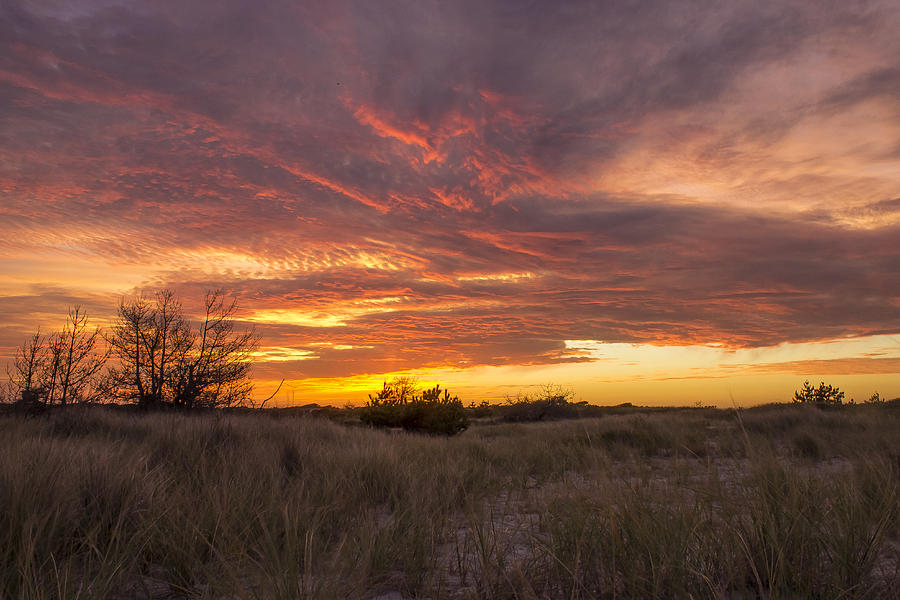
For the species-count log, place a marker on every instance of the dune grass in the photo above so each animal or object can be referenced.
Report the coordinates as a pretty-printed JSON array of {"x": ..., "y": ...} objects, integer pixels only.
[{"x": 777, "y": 502}]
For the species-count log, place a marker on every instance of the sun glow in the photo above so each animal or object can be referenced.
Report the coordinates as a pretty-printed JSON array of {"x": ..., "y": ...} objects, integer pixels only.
[
  {"x": 512, "y": 277},
  {"x": 706, "y": 360},
  {"x": 338, "y": 316},
  {"x": 277, "y": 354},
  {"x": 610, "y": 373}
]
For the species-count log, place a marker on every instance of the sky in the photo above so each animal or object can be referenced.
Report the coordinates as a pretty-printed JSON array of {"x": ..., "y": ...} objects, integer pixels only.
[{"x": 657, "y": 202}]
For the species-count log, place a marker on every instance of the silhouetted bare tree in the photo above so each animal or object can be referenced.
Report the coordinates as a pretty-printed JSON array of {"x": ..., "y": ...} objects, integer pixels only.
[
  {"x": 215, "y": 368},
  {"x": 147, "y": 339},
  {"x": 74, "y": 360},
  {"x": 27, "y": 367},
  {"x": 162, "y": 359},
  {"x": 64, "y": 370}
]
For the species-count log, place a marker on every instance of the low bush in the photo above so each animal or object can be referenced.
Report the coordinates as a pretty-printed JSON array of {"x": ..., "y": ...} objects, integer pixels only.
[
  {"x": 481, "y": 410},
  {"x": 552, "y": 403},
  {"x": 824, "y": 395},
  {"x": 398, "y": 405},
  {"x": 875, "y": 398}
]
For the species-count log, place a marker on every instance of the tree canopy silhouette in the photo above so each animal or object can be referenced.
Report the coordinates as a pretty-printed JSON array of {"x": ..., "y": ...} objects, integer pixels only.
[
  {"x": 164, "y": 359},
  {"x": 62, "y": 368}
]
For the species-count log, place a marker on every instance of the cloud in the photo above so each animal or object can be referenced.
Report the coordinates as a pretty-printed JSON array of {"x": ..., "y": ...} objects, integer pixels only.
[{"x": 667, "y": 174}]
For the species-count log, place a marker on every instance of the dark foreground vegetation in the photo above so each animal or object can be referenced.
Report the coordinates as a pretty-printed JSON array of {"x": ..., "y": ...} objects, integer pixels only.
[
  {"x": 786, "y": 501},
  {"x": 153, "y": 356}
]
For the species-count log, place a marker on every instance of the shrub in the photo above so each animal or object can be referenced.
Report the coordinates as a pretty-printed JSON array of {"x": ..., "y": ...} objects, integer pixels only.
[
  {"x": 433, "y": 411},
  {"x": 824, "y": 395},
  {"x": 875, "y": 398},
  {"x": 482, "y": 409},
  {"x": 554, "y": 402}
]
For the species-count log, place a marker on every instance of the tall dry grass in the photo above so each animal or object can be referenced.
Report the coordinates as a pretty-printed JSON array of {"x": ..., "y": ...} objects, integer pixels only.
[{"x": 783, "y": 502}]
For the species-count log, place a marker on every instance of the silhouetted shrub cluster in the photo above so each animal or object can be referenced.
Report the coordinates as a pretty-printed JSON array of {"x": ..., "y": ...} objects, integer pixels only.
[
  {"x": 398, "y": 405},
  {"x": 552, "y": 403},
  {"x": 875, "y": 398},
  {"x": 824, "y": 395}
]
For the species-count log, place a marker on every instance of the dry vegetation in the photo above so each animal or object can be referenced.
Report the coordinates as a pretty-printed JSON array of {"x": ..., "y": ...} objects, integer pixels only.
[{"x": 776, "y": 502}]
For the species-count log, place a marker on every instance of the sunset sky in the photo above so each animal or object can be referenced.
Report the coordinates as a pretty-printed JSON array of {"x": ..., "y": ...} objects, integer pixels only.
[{"x": 650, "y": 202}]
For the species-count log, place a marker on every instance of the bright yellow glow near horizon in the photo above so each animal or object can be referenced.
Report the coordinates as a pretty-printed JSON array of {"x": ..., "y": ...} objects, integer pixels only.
[{"x": 643, "y": 373}]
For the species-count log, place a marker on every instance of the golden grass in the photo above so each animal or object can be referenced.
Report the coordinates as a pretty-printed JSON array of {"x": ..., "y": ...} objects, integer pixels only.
[{"x": 782, "y": 502}]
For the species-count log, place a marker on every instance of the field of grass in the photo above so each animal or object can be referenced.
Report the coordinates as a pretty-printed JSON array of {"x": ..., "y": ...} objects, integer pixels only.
[{"x": 773, "y": 502}]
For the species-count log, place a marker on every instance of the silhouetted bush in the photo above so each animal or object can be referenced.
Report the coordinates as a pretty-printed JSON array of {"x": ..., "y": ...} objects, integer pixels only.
[
  {"x": 481, "y": 410},
  {"x": 824, "y": 395},
  {"x": 875, "y": 398},
  {"x": 553, "y": 403},
  {"x": 398, "y": 405}
]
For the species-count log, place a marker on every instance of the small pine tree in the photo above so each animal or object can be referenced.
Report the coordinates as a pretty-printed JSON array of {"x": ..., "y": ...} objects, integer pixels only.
[{"x": 824, "y": 395}]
